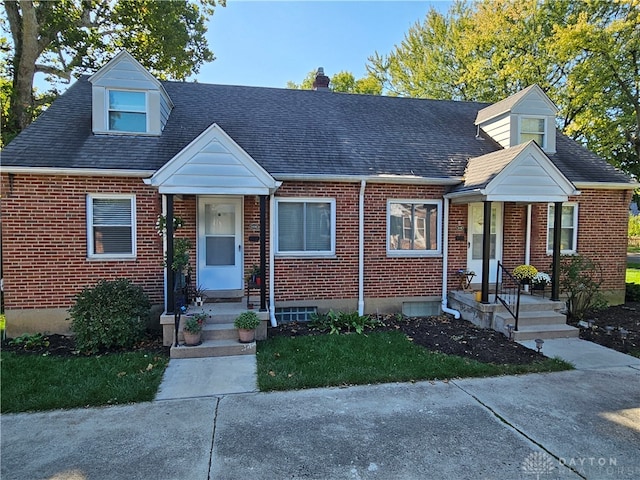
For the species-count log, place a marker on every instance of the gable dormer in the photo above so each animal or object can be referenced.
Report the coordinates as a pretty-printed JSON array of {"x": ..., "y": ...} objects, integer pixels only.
[
  {"x": 526, "y": 115},
  {"x": 127, "y": 99}
]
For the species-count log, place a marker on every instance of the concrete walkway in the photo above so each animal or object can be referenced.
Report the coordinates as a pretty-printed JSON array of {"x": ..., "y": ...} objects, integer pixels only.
[{"x": 580, "y": 424}]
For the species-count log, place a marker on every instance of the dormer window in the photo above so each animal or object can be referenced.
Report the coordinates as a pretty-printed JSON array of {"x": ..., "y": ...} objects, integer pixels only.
[
  {"x": 127, "y": 111},
  {"x": 532, "y": 129}
]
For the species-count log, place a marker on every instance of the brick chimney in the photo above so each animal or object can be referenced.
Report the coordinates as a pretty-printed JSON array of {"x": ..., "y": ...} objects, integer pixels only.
[{"x": 322, "y": 81}]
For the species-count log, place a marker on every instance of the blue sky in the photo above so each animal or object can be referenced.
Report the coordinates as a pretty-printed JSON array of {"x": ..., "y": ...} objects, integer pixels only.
[{"x": 267, "y": 43}]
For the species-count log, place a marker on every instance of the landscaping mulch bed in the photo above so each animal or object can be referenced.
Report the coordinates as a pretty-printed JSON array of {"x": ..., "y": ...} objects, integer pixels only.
[{"x": 65, "y": 346}]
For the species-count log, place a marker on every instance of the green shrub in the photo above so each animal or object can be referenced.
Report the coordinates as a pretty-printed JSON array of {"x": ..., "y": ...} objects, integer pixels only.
[
  {"x": 580, "y": 280},
  {"x": 632, "y": 292},
  {"x": 111, "y": 314},
  {"x": 634, "y": 226},
  {"x": 340, "y": 322}
]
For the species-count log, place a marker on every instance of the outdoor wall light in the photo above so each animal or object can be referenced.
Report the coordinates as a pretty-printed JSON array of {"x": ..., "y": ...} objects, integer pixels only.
[{"x": 539, "y": 343}]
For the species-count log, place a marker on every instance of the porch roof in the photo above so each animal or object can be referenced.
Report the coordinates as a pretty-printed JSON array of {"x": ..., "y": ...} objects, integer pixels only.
[
  {"x": 518, "y": 174},
  {"x": 213, "y": 164}
]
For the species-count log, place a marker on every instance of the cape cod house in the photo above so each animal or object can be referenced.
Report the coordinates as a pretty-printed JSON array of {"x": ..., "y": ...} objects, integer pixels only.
[{"x": 344, "y": 202}]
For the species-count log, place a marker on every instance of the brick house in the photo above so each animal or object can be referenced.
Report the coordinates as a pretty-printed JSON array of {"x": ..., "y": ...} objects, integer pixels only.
[{"x": 349, "y": 202}]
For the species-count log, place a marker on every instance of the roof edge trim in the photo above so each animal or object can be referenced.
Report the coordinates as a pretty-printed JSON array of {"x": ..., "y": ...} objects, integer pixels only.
[
  {"x": 398, "y": 179},
  {"x": 607, "y": 185},
  {"x": 82, "y": 172}
]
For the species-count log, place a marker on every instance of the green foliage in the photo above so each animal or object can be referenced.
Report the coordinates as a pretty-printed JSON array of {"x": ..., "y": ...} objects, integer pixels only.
[
  {"x": 181, "y": 248},
  {"x": 342, "y": 322},
  {"x": 36, "y": 382},
  {"x": 634, "y": 226},
  {"x": 584, "y": 55},
  {"x": 632, "y": 292},
  {"x": 580, "y": 280},
  {"x": 111, "y": 314},
  {"x": 30, "y": 341},
  {"x": 194, "y": 323},
  {"x": 286, "y": 363},
  {"x": 247, "y": 320}
]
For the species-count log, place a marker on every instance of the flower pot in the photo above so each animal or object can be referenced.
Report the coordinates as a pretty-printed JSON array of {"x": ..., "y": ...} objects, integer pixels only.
[
  {"x": 199, "y": 301},
  {"x": 246, "y": 336},
  {"x": 192, "y": 338}
]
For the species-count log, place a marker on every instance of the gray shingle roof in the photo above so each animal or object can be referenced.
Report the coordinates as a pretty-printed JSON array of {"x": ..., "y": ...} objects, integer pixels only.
[{"x": 287, "y": 132}]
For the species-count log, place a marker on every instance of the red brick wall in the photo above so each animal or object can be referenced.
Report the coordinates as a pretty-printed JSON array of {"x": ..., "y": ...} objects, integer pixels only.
[
  {"x": 44, "y": 239},
  {"x": 337, "y": 278}
]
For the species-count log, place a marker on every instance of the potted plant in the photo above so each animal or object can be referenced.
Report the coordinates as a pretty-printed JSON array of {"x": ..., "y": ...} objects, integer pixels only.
[
  {"x": 254, "y": 277},
  {"x": 525, "y": 273},
  {"x": 192, "y": 328},
  {"x": 198, "y": 295},
  {"x": 246, "y": 323},
  {"x": 540, "y": 281}
]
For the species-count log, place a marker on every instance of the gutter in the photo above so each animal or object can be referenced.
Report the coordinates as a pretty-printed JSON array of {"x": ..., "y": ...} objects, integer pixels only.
[
  {"x": 391, "y": 179},
  {"x": 445, "y": 262},
  {"x": 363, "y": 184},
  {"x": 84, "y": 172}
]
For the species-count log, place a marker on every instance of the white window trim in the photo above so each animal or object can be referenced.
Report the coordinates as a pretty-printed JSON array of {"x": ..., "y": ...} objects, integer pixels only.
[
  {"x": 575, "y": 228},
  {"x": 110, "y": 256},
  {"x": 545, "y": 132},
  {"x": 297, "y": 253},
  {"x": 107, "y": 110},
  {"x": 415, "y": 253}
]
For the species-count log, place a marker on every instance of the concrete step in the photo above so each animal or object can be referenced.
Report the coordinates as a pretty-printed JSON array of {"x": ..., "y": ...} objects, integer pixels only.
[
  {"x": 214, "y": 348},
  {"x": 531, "y": 318},
  {"x": 219, "y": 331},
  {"x": 545, "y": 332}
]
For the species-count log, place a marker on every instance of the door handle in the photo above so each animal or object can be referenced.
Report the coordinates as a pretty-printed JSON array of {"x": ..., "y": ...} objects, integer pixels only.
[{"x": 239, "y": 248}]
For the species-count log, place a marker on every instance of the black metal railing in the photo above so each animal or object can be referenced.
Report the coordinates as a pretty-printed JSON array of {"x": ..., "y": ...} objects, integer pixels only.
[{"x": 508, "y": 290}]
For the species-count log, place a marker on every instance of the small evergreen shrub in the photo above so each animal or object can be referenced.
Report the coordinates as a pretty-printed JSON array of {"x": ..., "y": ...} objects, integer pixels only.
[
  {"x": 112, "y": 314},
  {"x": 580, "y": 280},
  {"x": 632, "y": 293}
]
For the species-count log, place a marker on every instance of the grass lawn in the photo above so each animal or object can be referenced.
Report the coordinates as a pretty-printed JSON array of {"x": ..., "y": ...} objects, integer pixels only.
[
  {"x": 633, "y": 273},
  {"x": 36, "y": 382},
  {"x": 286, "y": 363}
]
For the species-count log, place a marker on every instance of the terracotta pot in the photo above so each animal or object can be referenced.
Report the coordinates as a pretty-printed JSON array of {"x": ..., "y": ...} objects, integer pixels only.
[
  {"x": 246, "y": 336},
  {"x": 192, "y": 338}
]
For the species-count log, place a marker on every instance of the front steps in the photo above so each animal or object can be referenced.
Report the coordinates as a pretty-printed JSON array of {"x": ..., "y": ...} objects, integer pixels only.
[
  {"x": 536, "y": 324},
  {"x": 219, "y": 336},
  {"x": 538, "y": 318}
]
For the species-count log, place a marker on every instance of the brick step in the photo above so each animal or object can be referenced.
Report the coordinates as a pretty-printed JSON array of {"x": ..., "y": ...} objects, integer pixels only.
[
  {"x": 214, "y": 348},
  {"x": 545, "y": 332}
]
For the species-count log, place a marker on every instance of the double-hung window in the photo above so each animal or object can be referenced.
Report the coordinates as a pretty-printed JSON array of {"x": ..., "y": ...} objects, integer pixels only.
[
  {"x": 111, "y": 226},
  {"x": 569, "y": 233},
  {"x": 532, "y": 128},
  {"x": 414, "y": 227},
  {"x": 306, "y": 226},
  {"x": 127, "y": 111}
]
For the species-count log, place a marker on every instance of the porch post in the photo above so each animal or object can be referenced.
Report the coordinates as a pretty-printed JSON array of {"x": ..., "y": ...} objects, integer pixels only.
[
  {"x": 263, "y": 253},
  {"x": 555, "y": 266},
  {"x": 170, "y": 272},
  {"x": 486, "y": 251}
]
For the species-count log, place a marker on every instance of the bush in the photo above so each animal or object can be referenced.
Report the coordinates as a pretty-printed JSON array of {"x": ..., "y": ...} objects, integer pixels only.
[
  {"x": 580, "y": 280},
  {"x": 111, "y": 314},
  {"x": 337, "y": 322},
  {"x": 634, "y": 225},
  {"x": 632, "y": 292}
]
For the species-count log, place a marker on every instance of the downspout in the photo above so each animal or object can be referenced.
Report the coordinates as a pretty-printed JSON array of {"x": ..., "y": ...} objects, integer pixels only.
[
  {"x": 272, "y": 275},
  {"x": 363, "y": 184},
  {"x": 445, "y": 261},
  {"x": 527, "y": 242}
]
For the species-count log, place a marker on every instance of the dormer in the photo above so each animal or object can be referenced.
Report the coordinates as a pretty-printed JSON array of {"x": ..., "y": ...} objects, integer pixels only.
[
  {"x": 526, "y": 115},
  {"x": 127, "y": 99}
]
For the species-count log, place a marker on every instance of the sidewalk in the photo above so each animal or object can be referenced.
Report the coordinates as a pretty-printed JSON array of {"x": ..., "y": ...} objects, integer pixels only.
[{"x": 576, "y": 424}]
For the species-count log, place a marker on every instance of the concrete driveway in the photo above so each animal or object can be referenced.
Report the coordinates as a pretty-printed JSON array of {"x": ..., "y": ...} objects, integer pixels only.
[{"x": 568, "y": 425}]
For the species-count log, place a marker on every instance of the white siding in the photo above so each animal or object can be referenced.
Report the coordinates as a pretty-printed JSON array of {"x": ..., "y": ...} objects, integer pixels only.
[
  {"x": 499, "y": 130},
  {"x": 534, "y": 104}
]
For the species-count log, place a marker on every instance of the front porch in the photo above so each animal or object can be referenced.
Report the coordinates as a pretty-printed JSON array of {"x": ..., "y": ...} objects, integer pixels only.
[
  {"x": 538, "y": 317},
  {"x": 219, "y": 336}
]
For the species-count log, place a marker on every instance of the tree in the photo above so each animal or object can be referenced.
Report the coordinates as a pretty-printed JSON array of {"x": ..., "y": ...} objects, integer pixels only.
[
  {"x": 64, "y": 37},
  {"x": 584, "y": 55},
  {"x": 343, "y": 82}
]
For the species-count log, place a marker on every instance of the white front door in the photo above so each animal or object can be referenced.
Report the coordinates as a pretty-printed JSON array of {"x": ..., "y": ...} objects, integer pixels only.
[
  {"x": 220, "y": 243},
  {"x": 475, "y": 235}
]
